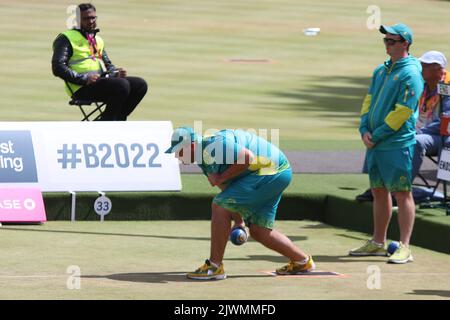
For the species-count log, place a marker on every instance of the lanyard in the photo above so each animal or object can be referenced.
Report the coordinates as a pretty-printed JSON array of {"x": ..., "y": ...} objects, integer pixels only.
[{"x": 93, "y": 48}]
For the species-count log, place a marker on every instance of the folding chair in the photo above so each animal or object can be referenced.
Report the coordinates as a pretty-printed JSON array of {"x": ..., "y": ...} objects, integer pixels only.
[
  {"x": 429, "y": 204},
  {"x": 99, "y": 107},
  {"x": 96, "y": 113},
  {"x": 443, "y": 90},
  {"x": 433, "y": 159}
]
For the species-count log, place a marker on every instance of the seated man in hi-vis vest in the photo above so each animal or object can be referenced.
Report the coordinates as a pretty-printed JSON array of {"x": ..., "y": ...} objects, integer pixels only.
[{"x": 79, "y": 58}]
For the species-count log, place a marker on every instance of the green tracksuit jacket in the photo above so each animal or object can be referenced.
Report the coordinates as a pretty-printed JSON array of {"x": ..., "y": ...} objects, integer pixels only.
[{"x": 390, "y": 108}]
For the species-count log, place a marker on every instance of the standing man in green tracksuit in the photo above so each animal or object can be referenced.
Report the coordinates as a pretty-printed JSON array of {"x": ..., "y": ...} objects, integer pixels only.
[{"x": 388, "y": 121}]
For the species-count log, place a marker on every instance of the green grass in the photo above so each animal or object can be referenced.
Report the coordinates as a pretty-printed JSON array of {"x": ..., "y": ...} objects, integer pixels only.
[
  {"x": 342, "y": 185},
  {"x": 148, "y": 260},
  {"x": 346, "y": 186},
  {"x": 311, "y": 92},
  {"x": 307, "y": 186}
]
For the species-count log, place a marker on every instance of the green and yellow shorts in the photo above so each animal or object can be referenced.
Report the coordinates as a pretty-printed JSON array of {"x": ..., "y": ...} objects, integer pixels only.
[
  {"x": 255, "y": 197},
  {"x": 391, "y": 169}
]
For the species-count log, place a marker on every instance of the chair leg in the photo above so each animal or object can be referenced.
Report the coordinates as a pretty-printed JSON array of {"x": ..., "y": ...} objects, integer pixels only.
[
  {"x": 421, "y": 177},
  {"x": 85, "y": 116},
  {"x": 432, "y": 159},
  {"x": 99, "y": 105},
  {"x": 98, "y": 108}
]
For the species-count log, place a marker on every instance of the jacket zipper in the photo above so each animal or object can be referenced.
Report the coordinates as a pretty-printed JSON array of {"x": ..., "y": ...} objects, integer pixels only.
[{"x": 382, "y": 88}]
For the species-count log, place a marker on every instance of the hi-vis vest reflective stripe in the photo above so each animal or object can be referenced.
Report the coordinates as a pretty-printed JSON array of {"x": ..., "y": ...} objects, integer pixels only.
[{"x": 81, "y": 60}]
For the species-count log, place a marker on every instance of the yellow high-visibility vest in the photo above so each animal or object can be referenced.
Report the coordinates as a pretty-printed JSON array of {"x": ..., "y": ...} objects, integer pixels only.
[{"x": 83, "y": 60}]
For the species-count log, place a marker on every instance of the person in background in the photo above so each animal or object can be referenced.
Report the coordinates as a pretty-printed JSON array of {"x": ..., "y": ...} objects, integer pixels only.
[
  {"x": 431, "y": 105},
  {"x": 387, "y": 127},
  {"x": 428, "y": 139},
  {"x": 80, "y": 59}
]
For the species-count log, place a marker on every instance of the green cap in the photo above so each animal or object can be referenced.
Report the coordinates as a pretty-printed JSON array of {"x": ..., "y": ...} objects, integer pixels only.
[
  {"x": 401, "y": 29},
  {"x": 181, "y": 137}
]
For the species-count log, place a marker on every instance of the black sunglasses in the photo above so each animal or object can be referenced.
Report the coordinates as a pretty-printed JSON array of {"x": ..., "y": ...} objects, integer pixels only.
[
  {"x": 391, "y": 42},
  {"x": 89, "y": 18}
]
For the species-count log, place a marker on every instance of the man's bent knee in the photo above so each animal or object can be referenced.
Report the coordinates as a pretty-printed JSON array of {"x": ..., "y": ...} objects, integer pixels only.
[
  {"x": 119, "y": 87},
  {"x": 257, "y": 232}
]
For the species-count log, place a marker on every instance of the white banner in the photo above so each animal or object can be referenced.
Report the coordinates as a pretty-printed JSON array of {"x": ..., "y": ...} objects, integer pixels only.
[
  {"x": 88, "y": 156},
  {"x": 444, "y": 165}
]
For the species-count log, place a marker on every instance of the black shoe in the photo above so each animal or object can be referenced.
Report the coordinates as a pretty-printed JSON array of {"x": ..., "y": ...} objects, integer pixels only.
[{"x": 365, "y": 196}]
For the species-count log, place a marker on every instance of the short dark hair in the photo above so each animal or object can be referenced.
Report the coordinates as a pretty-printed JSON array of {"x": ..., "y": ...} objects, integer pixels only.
[
  {"x": 403, "y": 40},
  {"x": 86, "y": 6}
]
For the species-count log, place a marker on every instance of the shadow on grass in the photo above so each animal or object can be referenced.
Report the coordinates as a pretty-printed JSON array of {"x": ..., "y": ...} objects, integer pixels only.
[
  {"x": 317, "y": 259},
  {"x": 109, "y": 234},
  {"x": 159, "y": 277},
  {"x": 297, "y": 238},
  {"x": 346, "y": 258},
  {"x": 348, "y": 188},
  {"x": 441, "y": 293},
  {"x": 293, "y": 238},
  {"x": 351, "y": 237},
  {"x": 317, "y": 226},
  {"x": 277, "y": 259},
  {"x": 336, "y": 97},
  {"x": 145, "y": 277}
]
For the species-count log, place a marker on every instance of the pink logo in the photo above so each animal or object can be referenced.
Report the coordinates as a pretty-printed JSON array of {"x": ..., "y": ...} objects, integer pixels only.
[{"x": 21, "y": 205}]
